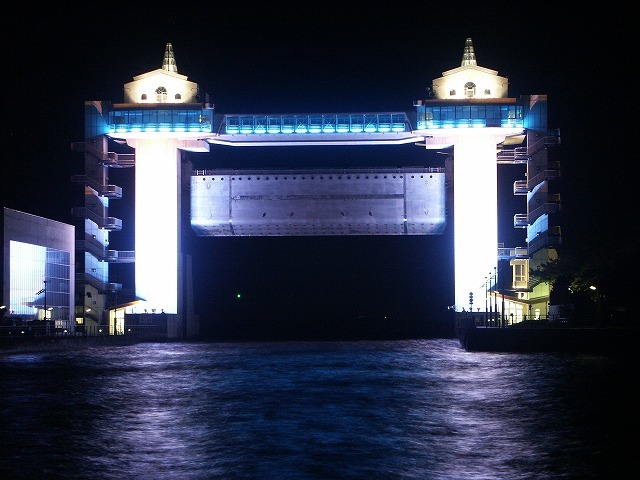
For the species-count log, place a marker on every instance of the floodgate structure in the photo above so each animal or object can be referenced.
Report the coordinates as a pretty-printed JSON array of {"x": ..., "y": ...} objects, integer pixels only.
[{"x": 163, "y": 123}]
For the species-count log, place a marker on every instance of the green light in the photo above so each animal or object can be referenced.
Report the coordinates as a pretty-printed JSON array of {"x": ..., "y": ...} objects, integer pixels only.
[{"x": 238, "y": 295}]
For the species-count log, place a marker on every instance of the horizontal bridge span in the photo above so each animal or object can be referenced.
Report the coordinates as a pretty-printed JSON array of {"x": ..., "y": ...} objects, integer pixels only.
[
  {"x": 285, "y": 140},
  {"x": 374, "y": 128},
  {"x": 406, "y": 201}
]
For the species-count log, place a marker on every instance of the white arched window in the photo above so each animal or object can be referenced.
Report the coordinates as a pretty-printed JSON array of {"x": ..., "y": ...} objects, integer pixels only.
[
  {"x": 470, "y": 90},
  {"x": 161, "y": 94}
]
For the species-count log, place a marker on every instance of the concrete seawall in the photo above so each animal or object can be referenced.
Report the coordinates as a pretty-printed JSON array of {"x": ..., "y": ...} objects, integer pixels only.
[
  {"x": 597, "y": 340},
  {"x": 10, "y": 345}
]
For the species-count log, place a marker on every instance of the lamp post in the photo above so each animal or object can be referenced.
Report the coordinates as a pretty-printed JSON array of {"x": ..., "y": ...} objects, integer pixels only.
[
  {"x": 490, "y": 304},
  {"x": 46, "y": 323},
  {"x": 485, "y": 301},
  {"x": 495, "y": 295}
]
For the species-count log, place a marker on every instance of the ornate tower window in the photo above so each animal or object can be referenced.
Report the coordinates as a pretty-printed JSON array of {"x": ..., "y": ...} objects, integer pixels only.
[
  {"x": 470, "y": 90},
  {"x": 161, "y": 94}
]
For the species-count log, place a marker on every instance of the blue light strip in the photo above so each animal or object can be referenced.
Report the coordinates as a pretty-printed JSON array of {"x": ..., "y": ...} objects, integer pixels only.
[
  {"x": 469, "y": 116},
  {"x": 159, "y": 120},
  {"x": 477, "y": 123}
]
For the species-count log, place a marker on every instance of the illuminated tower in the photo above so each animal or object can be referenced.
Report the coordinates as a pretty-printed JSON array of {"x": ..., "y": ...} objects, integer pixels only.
[
  {"x": 471, "y": 112},
  {"x": 158, "y": 120}
]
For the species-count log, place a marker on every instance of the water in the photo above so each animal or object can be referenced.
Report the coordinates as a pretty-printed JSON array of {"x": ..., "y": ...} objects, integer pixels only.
[{"x": 329, "y": 410}]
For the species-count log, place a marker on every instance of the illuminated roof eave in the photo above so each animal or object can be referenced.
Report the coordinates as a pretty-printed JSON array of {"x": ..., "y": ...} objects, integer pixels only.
[
  {"x": 159, "y": 105},
  {"x": 284, "y": 140},
  {"x": 456, "y": 101}
]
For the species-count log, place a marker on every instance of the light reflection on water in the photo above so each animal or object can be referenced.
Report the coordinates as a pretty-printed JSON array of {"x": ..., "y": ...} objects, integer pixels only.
[{"x": 403, "y": 409}]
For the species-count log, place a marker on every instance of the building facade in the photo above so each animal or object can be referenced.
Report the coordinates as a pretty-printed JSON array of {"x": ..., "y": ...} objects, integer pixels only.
[
  {"x": 38, "y": 284},
  {"x": 469, "y": 116},
  {"x": 470, "y": 110}
]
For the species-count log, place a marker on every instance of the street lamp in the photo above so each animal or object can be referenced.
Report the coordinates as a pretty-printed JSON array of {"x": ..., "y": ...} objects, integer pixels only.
[
  {"x": 46, "y": 324},
  {"x": 490, "y": 302},
  {"x": 495, "y": 296},
  {"x": 48, "y": 319},
  {"x": 485, "y": 301}
]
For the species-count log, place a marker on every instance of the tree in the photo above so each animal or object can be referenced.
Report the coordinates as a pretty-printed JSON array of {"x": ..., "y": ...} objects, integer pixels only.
[{"x": 598, "y": 272}]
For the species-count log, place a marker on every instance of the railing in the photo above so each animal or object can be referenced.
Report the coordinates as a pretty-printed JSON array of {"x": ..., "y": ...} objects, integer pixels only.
[
  {"x": 548, "y": 238},
  {"x": 520, "y": 187},
  {"x": 549, "y": 207},
  {"x": 106, "y": 158},
  {"x": 101, "y": 253},
  {"x": 92, "y": 246},
  {"x": 88, "y": 279},
  {"x": 513, "y": 156},
  {"x": 120, "y": 159},
  {"x": 111, "y": 191},
  {"x": 547, "y": 174},
  {"x": 120, "y": 256},
  {"x": 515, "y": 252},
  {"x": 498, "y": 320},
  {"x": 520, "y": 220},
  {"x": 328, "y": 171},
  {"x": 108, "y": 223}
]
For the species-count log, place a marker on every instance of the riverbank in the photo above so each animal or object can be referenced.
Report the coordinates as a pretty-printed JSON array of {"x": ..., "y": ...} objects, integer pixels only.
[
  {"x": 10, "y": 345},
  {"x": 549, "y": 338}
]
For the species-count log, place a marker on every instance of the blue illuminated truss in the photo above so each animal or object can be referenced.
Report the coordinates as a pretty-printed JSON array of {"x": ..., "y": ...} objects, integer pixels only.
[{"x": 320, "y": 123}]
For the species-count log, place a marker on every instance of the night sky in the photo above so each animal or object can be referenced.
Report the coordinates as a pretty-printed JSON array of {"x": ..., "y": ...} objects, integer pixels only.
[{"x": 356, "y": 57}]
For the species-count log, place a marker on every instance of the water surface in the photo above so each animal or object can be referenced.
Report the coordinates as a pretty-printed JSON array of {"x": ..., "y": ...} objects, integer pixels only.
[{"x": 423, "y": 409}]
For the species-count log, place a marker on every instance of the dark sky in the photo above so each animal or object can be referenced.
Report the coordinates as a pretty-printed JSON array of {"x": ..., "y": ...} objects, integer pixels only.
[{"x": 343, "y": 57}]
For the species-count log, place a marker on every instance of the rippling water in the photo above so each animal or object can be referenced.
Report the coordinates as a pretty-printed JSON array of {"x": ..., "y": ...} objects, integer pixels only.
[{"x": 329, "y": 410}]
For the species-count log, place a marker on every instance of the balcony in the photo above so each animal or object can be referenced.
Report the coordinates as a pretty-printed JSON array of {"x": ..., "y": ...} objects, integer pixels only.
[
  {"x": 120, "y": 256},
  {"x": 99, "y": 251},
  {"x": 546, "y": 208},
  {"x": 551, "y": 172},
  {"x": 109, "y": 159},
  {"x": 107, "y": 223},
  {"x": 548, "y": 239},
  {"x": 520, "y": 187},
  {"x": 505, "y": 253},
  {"x": 111, "y": 191},
  {"x": 102, "y": 287},
  {"x": 520, "y": 220},
  {"x": 512, "y": 156}
]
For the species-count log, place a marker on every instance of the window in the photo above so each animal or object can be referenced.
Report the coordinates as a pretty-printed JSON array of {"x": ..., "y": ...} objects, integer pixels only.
[
  {"x": 143, "y": 97},
  {"x": 452, "y": 93},
  {"x": 178, "y": 96},
  {"x": 470, "y": 90},
  {"x": 161, "y": 94},
  {"x": 519, "y": 273}
]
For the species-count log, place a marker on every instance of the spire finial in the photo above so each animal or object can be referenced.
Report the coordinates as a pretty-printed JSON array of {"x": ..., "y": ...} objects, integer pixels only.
[
  {"x": 468, "y": 57},
  {"x": 169, "y": 62}
]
